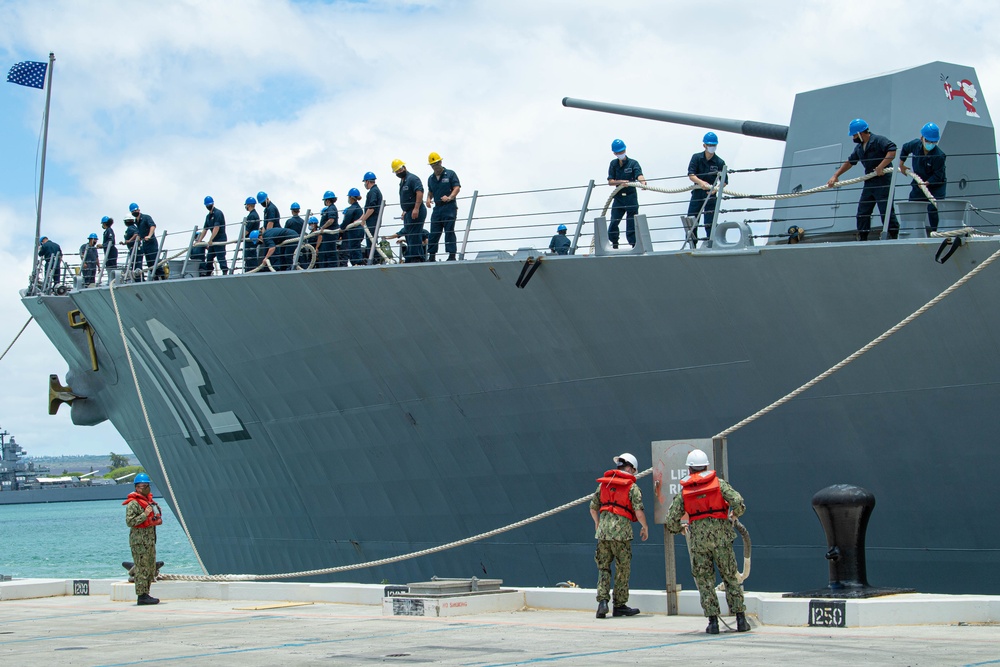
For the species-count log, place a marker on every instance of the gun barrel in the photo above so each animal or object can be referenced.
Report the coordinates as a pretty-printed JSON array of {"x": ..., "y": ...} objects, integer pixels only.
[{"x": 750, "y": 128}]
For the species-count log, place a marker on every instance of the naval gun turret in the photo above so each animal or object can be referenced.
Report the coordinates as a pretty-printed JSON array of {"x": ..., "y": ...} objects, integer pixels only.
[{"x": 816, "y": 139}]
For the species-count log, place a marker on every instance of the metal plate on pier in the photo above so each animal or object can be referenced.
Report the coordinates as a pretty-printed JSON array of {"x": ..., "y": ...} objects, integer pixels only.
[{"x": 442, "y": 586}]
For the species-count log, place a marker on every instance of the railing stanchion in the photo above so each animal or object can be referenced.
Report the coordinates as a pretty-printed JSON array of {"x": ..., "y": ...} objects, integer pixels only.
[
  {"x": 184, "y": 266},
  {"x": 239, "y": 245},
  {"x": 378, "y": 228},
  {"x": 161, "y": 256},
  {"x": 583, "y": 217},
  {"x": 302, "y": 235},
  {"x": 468, "y": 223}
]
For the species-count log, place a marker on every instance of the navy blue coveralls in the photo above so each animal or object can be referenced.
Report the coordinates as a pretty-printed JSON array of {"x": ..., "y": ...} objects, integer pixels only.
[
  {"x": 443, "y": 216},
  {"x": 560, "y": 244},
  {"x": 131, "y": 239},
  {"x": 329, "y": 239},
  {"x": 350, "y": 247},
  {"x": 707, "y": 170},
  {"x": 930, "y": 167},
  {"x": 876, "y": 189},
  {"x": 250, "y": 260},
  {"x": 89, "y": 269},
  {"x": 295, "y": 223},
  {"x": 281, "y": 259},
  {"x": 412, "y": 230},
  {"x": 272, "y": 217},
  {"x": 626, "y": 202},
  {"x": 215, "y": 218},
  {"x": 151, "y": 247},
  {"x": 110, "y": 251},
  {"x": 373, "y": 201},
  {"x": 51, "y": 252}
]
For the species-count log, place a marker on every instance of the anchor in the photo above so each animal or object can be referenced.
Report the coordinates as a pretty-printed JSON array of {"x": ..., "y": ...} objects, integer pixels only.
[{"x": 59, "y": 394}]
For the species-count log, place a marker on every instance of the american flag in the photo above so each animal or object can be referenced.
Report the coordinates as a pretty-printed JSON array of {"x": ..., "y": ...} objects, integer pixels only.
[{"x": 28, "y": 73}]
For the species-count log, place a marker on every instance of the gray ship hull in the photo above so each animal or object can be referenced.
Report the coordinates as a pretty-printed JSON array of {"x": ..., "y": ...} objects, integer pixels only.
[
  {"x": 64, "y": 495},
  {"x": 321, "y": 418}
]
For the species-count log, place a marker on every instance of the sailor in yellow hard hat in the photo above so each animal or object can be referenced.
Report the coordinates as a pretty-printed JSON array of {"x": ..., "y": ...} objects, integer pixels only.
[
  {"x": 443, "y": 187},
  {"x": 411, "y": 201}
]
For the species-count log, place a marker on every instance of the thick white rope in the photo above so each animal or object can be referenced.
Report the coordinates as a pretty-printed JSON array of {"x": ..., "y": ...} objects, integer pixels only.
[
  {"x": 149, "y": 427},
  {"x": 16, "y": 337},
  {"x": 836, "y": 367}
]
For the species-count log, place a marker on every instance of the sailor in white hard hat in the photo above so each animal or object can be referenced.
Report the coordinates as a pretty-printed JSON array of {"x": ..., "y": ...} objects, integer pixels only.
[
  {"x": 709, "y": 502},
  {"x": 615, "y": 505}
]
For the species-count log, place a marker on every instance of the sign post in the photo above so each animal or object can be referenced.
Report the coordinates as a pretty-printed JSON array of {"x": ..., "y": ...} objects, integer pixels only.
[{"x": 669, "y": 468}]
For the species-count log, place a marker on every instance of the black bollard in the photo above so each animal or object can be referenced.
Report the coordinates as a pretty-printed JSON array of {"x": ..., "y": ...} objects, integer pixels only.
[{"x": 844, "y": 511}]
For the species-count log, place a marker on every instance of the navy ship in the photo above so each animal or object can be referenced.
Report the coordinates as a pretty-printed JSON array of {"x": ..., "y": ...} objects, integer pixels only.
[{"x": 310, "y": 419}]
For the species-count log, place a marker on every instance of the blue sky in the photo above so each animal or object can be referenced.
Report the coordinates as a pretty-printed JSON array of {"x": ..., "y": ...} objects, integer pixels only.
[{"x": 164, "y": 103}]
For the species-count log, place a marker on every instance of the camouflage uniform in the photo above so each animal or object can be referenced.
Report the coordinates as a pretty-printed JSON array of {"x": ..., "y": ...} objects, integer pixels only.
[
  {"x": 143, "y": 544},
  {"x": 614, "y": 543},
  {"x": 711, "y": 544}
]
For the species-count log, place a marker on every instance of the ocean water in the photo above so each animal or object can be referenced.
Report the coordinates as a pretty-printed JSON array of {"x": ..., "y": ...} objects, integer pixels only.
[{"x": 82, "y": 540}]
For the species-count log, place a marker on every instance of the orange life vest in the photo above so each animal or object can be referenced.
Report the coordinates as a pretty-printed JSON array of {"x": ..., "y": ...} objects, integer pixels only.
[
  {"x": 615, "y": 496},
  {"x": 144, "y": 502},
  {"x": 703, "y": 497}
]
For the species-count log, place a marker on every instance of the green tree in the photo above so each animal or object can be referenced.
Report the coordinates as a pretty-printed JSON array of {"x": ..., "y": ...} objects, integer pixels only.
[{"x": 118, "y": 460}]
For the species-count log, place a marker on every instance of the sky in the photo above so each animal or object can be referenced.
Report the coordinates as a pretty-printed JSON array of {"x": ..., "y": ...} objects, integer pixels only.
[{"x": 164, "y": 103}]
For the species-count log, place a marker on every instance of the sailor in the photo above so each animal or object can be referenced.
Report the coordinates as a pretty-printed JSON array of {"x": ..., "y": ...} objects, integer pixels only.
[
  {"x": 411, "y": 201},
  {"x": 622, "y": 170},
  {"x": 443, "y": 187},
  {"x": 142, "y": 516},
  {"x": 146, "y": 229},
  {"x": 295, "y": 222},
  {"x": 272, "y": 218},
  {"x": 108, "y": 244},
  {"x": 215, "y": 230},
  {"x": 703, "y": 169},
  {"x": 306, "y": 258},
  {"x": 615, "y": 505},
  {"x": 875, "y": 153},
  {"x": 279, "y": 247},
  {"x": 709, "y": 502},
  {"x": 133, "y": 261},
  {"x": 560, "y": 243},
  {"x": 373, "y": 202},
  {"x": 329, "y": 237},
  {"x": 250, "y": 260},
  {"x": 928, "y": 164},
  {"x": 52, "y": 254},
  {"x": 88, "y": 256},
  {"x": 350, "y": 247}
]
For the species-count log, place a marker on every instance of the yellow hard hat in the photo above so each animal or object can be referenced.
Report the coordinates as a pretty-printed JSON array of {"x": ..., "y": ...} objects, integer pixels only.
[
  {"x": 432, "y": 158},
  {"x": 397, "y": 164}
]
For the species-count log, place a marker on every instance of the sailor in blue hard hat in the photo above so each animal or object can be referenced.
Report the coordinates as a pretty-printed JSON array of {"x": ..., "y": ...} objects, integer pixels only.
[
  {"x": 148, "y": 246},
  {"x": 703, "y": 170},
  {"x": 560, "y": 243},
  {"x": 272, "y": 218},
  {"x": 88, "y": 255},
  {"x": 929, "y": 165},
  {"x": 214, "y": 234},
  {"x": 108, "y": 245},
  {"x": 622, "y": 170},
  {"x": 350, "y": 246},
  {"x": 329, "y": 238},
  {"x": 295, "y": 222},
  {"x": 875, "y": 153},
  {"x": 373, "y": 202},
  {"x": 250, "y": 261},
  {"x": 142, "y": 516}
]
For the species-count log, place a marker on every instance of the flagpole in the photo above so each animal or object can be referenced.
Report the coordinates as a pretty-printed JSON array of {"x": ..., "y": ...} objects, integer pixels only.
[{"x": 41, "y": 178}]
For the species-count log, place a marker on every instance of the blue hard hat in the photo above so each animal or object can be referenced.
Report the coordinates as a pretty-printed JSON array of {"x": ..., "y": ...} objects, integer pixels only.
[
  {"x": 710, "y": 139},
  {"x": 254, "y": 234},
  {"x": 142, "y": 478},
  {"x": 617, "y": 146},
  {"x": 209, "y": 200},
  {"x": 105, "y": 219},
  {"x": 92, "y": 236},
  {"x": 313, "y": 220},
  {"x": 133, "y": 207},
  {"x": 295, "y": 206},
  {"x": 369, "y": 176},
  {"x": 354, "y": 192},
  {"x": 561, "y": 228},
  {"x": 329, "y": 195},
  {"x": 857, "y": 125},
  {"x": 931, "y": 132},
  {"x": 250, "y": 201},
  {"x": 261, "y": 197}
]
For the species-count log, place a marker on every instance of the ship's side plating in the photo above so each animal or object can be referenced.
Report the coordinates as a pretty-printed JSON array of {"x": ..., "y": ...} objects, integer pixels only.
[{"x": 320, "y": 418}]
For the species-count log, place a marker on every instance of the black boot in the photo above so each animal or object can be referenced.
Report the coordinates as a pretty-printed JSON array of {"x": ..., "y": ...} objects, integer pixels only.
[
  {"x": 741, "y": 622},
  {"x": 713, "y": 625},
  {"x": 602, "y": 609},
  {"x": 622, "y": 610},
  {"x": 451, "y": 257},
  {"x": 146, "y": 598}
]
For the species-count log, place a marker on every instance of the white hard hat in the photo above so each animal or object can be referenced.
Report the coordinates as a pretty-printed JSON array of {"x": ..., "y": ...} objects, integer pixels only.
[
  {"x": 697, "y": 459},
  {"x": 626, "y": 458}
]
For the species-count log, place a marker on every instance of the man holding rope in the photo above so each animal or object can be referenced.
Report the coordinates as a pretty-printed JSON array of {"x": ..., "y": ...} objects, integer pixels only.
[
  {"x": 875, "y": 153},
  {"x": 928, "y": 164}
]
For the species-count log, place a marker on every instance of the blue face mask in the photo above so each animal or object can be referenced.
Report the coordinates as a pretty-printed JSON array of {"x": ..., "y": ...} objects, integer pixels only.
[{"x": 928, "y": 146}]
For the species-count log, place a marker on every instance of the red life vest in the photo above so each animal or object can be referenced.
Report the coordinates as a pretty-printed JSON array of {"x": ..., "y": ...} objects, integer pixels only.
[
  {"x": 703, "y": 497},
  {"x": 144, "y": 502},
  {"x": 615, "y": 496}
]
